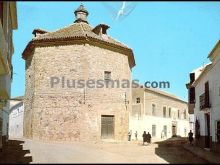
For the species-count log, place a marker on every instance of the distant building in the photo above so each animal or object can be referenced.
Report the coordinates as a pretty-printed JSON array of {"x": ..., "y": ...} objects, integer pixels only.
[
  {"x": 161, "y": 114},
  {"x": 80, "y": 52},
  {"x": 16, "y": 116},
  {"x": 8, "y": 23},
  {"x": 204, "y": 101}
]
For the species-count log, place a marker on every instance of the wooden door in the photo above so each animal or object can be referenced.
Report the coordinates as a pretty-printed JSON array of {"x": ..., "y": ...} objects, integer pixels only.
[
  {"x": 207, "y": 137},
  {"x": 107, "y": 127}
]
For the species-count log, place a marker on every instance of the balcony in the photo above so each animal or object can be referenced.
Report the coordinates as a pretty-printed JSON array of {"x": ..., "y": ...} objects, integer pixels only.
[{"x": 204, "y": 101}]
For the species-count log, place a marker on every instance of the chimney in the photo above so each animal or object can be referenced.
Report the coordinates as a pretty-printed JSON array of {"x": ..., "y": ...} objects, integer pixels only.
[{"x": 101, "y": 30}]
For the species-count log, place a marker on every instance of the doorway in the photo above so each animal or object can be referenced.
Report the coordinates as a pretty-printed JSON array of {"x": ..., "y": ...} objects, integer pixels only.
[
  {"x": 207, "y": 137},
  {"x": 107, "y": 126},
  {"x": 174, "y": 130}
]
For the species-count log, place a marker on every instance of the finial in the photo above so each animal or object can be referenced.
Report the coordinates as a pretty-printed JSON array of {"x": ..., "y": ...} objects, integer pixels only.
[{"x": 81, "y": 14}]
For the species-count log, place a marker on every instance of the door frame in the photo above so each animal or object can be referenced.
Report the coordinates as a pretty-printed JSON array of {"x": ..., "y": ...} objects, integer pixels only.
[
  {"x": 113, "y": 135},
  {"x": 207, "y": 137}
]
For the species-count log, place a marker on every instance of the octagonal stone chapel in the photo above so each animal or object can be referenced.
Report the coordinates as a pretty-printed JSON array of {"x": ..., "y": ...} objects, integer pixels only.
[{"x": 57, "y": 112}]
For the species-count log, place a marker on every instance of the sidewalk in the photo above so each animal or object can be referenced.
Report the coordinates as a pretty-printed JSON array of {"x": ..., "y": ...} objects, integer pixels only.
[{"x": 202, "y": 153}]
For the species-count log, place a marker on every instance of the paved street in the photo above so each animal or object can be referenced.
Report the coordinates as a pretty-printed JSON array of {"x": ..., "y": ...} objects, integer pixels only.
[{"x": 101, "y": 152}]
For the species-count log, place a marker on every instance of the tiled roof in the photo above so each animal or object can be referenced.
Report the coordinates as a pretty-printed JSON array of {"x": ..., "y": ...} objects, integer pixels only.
[
  {"x": 204, "y": 71},
  {"x": 77, "y": 30},
  {"x": 74, "y": 32},
  {"x": 158, "y": 91},
  {"x": 164, "y": 93},
  {"x": 18, "y": 98}
]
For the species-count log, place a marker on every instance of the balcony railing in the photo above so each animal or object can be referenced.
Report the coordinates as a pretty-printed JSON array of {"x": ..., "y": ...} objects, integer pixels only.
[{"x": 204, "y": 101}]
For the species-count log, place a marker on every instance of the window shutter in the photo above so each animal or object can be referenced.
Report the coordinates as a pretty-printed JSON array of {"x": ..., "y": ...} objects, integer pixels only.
[
  {"x": 207, "y": 94},
  {"x": 192, "y": 95}
]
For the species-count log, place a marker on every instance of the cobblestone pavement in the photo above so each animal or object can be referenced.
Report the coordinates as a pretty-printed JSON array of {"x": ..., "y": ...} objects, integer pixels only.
[{"x": 32, "y": 151}]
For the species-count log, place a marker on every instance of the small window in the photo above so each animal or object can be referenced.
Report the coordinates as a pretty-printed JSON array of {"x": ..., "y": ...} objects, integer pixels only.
[
  {"x": 138, "y": 100},
  {"x": 184, "y": 114},
  {"x": 164, "y": 111},
  {"x": 169, "y": 112},
  {"x": 153, "y": 109},
  {"x": 107, "y": 75},
  {"x": 178, "y": 114}
]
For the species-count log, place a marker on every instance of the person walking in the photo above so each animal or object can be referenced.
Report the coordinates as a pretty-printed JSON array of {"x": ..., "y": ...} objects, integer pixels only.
[
  {"x": 190, "y": 137},
  {"x": 144, "y": 137},
  {"x": 136, "y": 134},
  {"x": 148, "y": 138},
  {"x": 129, "y": 136}
]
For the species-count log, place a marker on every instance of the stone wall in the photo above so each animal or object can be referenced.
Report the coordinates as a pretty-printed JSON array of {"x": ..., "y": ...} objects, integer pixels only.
[{"x": 62, "y": 113}]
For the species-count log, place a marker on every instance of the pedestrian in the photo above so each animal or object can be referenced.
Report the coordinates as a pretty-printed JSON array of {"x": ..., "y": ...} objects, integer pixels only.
[
  {"x": 190, "y": 137},
  {"x": 148, "y": 138},
  {"x": 129, "y": 136},
  {"x": 136, "y": 134},
  {"x": 144, "y": 137}
]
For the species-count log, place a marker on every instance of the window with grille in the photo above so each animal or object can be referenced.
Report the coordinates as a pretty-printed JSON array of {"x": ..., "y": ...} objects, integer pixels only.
[
  {"x": 153, "y": 130},
  {"x": 164, "y": 111},
  {"x": 169, "y": 112},
  {"x": 153, "y": 109},
  {"x": 107, "y": 75},
  {"x": 165, "y": 130},
  {"x": 138, "y": 100},
  {"x": 184, "y": 114}
]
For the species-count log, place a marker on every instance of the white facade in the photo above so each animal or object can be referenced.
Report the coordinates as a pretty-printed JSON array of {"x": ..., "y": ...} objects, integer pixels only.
[
  {"x": 5, "y": 115},
  {"x": 142, "y": 118},
  {"x": 211, "y": 74},
  {"x": 16, "y": 120}
]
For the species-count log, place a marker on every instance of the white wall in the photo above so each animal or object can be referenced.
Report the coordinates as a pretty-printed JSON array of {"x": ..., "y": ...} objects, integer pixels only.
[
  {"x": 213, "y": 76},
  {"x": 145, "y": 124},
  {"x": 16, "y": 122},
  {"x": 5, "y": 114}
]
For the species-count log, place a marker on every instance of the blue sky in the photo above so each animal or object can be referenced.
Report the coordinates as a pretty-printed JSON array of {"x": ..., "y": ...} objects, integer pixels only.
[{"x": 169, "y": 39}]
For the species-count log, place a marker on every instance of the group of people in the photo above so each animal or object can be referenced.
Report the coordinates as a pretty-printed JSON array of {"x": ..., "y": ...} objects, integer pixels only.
[
  {"x": 130, "y": 133},
  {"x": 146, "y": 137}
]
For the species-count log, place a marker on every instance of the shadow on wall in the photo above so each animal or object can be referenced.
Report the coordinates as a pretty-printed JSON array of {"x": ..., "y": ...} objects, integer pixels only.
[
  {"x": 13, "y": 153},
  {"x": 173, "y": 152}
]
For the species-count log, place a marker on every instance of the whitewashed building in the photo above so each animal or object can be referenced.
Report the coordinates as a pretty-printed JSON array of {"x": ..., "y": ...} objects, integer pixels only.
[
  {"x": 12, "y": 114},
  {"x": 204, "y": 101},
  {"x": 16, "y": 118},
  {"x": 161, "y": 114}
]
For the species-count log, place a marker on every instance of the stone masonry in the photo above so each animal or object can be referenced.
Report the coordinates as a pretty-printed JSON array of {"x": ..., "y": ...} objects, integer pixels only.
[{"x": 62, "y": 113}]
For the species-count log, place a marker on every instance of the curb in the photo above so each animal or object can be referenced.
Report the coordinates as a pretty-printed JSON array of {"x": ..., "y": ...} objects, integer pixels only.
[{"x": 201, "y": 155}]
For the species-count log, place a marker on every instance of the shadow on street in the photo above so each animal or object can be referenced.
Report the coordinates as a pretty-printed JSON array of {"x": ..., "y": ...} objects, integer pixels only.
[
  {"x": 13, "y": 153},
  {"x": 173, "y": 152}
]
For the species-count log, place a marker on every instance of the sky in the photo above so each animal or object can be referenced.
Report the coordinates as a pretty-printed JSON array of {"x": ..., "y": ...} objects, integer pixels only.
[{"x": 169, "y": 39}]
